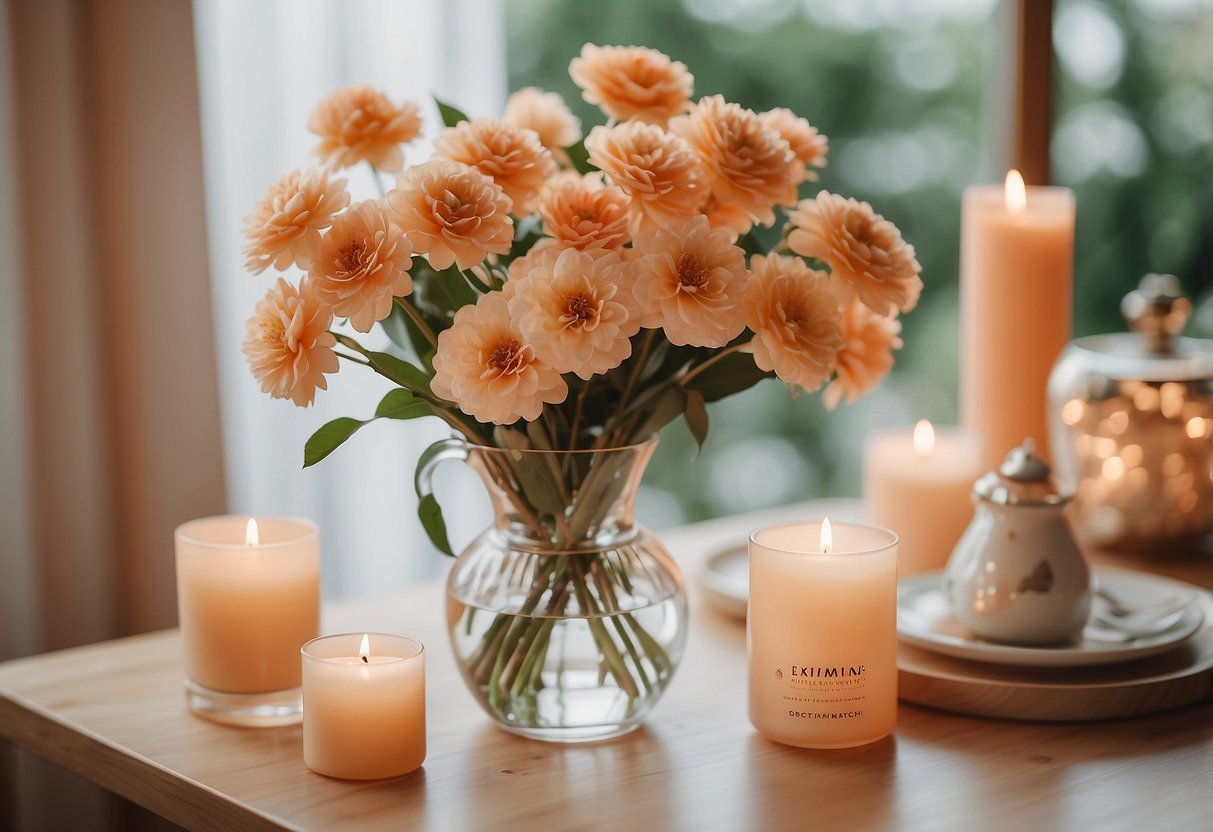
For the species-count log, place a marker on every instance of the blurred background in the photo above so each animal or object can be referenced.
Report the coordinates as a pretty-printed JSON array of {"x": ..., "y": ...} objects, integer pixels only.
[{"x": 135, "y": 134}]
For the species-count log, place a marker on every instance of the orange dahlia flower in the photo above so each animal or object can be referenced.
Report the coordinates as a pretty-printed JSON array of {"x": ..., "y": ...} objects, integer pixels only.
[
  {"x": 796, "y": 320},
  {"x": 288, "y": 345},
  {"x": 863, "y": 250},
  {"x": 580, "y": 212},
  {"x": 576, "y": 309},
  {"x": 808, "y": 145},
  {"x": 361, "y": 124},
  {"x": 866, "y": 357},
  {"x": 657, "y": 170},
  {"x": 452, "y": 213},
  {"x": 484, "y": 365},
  {"x": 284, "y": 227},
  {"x": 632, "y": 82},
  {"x": 510, "y": 156},
  {"x": 689, "y": 283},
  {"x": 546, "y": 113},
  {"x": 363, "y": 263},
  {"x": 746, "y": 165}
]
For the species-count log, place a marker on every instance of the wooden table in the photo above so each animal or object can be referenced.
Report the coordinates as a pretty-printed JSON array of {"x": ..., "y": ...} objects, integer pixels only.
[{"x": 115, "y": 714}]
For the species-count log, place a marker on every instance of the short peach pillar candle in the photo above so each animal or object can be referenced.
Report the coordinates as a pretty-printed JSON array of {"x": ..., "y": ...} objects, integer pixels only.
[
  {"x": 918, "y": 483},
  {"x": 363, "y": 705},
  {"x": 821, "y": 633},
  {"x": 248, "y": 597}
]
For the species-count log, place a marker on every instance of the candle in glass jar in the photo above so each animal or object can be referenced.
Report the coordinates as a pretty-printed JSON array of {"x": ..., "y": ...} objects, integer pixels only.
[
  {"x": 821, "y": 633},
  {"x": 919, "y": 483},
  {"x": 248, "y": 596},
  {"x": 364, "y": 705},
  {"x": 1016, "y": 273}
]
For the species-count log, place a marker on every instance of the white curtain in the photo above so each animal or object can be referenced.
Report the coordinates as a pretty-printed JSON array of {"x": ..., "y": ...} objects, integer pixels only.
[{"x": 262, "y": 67}]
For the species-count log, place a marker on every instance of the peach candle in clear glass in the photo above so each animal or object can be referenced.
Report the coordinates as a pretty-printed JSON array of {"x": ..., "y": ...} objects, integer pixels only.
[
  {"x": 248, "y": 597},
  {"x": 821, "y": 633},
  {"x": 363, "y": 705}
]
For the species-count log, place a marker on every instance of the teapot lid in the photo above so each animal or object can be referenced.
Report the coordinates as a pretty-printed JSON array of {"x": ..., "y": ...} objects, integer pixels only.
[{"x": 1021, "y": 480}]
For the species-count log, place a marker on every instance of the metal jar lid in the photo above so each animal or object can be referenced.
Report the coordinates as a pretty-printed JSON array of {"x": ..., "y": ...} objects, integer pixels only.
[{"x": 1022, "y": 480}]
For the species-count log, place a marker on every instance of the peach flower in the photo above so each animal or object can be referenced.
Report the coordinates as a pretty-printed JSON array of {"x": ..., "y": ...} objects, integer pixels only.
[
  {"x": 452, "y": 213},
  {"x": 809, "y": 146},
  {"x": 484, "y": 365},
  {"x": 862, "y": 249},
  {"x": 632, "y": 82},
  {"x": 795, "y": 316},
  {"x": 866, "y": 355},
  {"x": 690, "y": 283},
  {"x": 363, "y": 263},
  {"x": 546, "y": 113},
  {"x": 576, "y": 309},
  {"x": 580, "y": 212},
  {"x": 288, "y": 345},
  {"x": 284, "y": 227},
  {"x": 657, "y": 170},
  {"x": 361, "y": 124},
  {"x": 510, "y": 156},
  {"x": 746, "y": 165}
]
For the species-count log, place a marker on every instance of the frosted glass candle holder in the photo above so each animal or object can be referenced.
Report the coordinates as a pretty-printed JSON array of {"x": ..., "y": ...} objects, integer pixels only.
[{"x": 821, "y": 634}]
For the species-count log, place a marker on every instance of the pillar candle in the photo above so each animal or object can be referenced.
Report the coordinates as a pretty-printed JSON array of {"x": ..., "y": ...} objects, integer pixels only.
[
  {"x": 363, "y": 705},
  {"x": 1016, "y": 272},
  {"x": 821, "y": 634},
  {"x": 918, "y": 482},
  {"x": 248, "y": 596}
]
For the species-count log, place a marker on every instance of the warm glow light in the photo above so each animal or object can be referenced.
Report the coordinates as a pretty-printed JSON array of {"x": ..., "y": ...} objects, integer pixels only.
[
  {"x": 924, "y": 438},
  {"x": 251, "y": 537},
  {"x": 1015, "y": 192},
  {"x": 364, "y": 650},
  {"x": 827, "y": 536}
]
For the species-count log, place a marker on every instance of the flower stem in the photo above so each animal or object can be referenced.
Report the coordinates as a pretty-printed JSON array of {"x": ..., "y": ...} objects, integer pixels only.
[
  {"x": 375, "y": 178},
  {"x": 577, "y": 411},
  {"x": 417, "y": 318}
]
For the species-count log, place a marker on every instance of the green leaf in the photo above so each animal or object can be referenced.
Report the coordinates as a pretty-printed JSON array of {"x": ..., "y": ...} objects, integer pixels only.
[
  {"x": 399, "y": 371},
  {"x": 328, "y": 438},
  {"x": 430, "y": 514},
  {"x": 662, "y": 409},
  {"x": 401, "y": 404},
  {"x": 450, "y": 115},
  {"x": 440, "y": 294},
  {"x": 731, "y": 374},
  {"x": 697, "y": 416},
  {"x": 579, "y": 157}
]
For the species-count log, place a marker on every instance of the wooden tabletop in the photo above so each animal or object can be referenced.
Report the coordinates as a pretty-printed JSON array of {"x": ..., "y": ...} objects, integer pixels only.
[{"x": 115, "y": 714}]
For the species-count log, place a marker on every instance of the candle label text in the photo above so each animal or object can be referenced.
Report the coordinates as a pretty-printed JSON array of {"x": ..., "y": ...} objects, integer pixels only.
[{"x": 824, "y": 692}]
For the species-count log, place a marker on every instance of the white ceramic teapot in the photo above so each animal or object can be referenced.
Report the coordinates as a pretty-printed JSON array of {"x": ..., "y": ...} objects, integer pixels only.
[{"x": 1016, "y": 576}]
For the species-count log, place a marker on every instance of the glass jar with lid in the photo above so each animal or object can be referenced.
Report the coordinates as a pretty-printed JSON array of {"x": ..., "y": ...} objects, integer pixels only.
[{"x": 1131, "y": 428}]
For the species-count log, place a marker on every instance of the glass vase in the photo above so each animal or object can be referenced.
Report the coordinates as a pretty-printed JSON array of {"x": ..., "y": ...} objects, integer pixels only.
[{"x": 567, "y": 617}]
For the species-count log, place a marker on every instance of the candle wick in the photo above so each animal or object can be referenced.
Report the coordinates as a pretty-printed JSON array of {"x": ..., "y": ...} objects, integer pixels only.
[{"x": 366, "y": 660}]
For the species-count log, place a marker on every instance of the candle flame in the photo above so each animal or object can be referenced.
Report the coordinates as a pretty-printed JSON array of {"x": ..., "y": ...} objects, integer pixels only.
[
  {"x": 1015, "y": 193},
  {"x": 827, "y": 536},
  {"x": 251, "y": 536},
  {"x": 364, "y": 650},
  {"x": 924, "y": 438}
]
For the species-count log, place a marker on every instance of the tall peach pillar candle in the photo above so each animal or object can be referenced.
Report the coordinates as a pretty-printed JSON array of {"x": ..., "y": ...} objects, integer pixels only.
[
  {"x": 821, "y": 633},
  {"x": 363, "y": 705},
  {"x": 248, "y": 597},
  {"x": 1016, "y": 276},
  {"x": 918, "y": 483}
]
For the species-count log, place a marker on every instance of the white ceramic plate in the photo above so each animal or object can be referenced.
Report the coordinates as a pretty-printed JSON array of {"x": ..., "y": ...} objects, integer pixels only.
[
  {"x": 925, "y": 620},
  {"x": 725, "y": 580}
]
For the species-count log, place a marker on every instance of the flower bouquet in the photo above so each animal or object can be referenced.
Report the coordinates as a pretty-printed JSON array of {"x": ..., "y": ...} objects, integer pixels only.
[{"x": 557, "y": 301}]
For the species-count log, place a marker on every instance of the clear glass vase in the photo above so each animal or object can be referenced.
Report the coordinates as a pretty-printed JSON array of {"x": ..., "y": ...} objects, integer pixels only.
[{"x": 567, "y": 618}]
